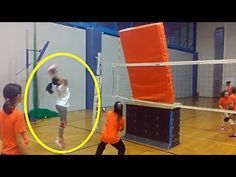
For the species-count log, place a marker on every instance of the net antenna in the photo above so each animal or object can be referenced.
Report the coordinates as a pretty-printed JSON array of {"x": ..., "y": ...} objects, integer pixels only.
[{"x": 99, "y": 80}]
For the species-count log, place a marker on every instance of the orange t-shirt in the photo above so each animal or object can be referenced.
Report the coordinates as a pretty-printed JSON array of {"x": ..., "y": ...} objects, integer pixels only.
[
  {"x": 225, "y": 102},
  {"x": 10, "y": 125},
  {"x": 112, "y": 127},
  {"x": 233, "y": 96}
]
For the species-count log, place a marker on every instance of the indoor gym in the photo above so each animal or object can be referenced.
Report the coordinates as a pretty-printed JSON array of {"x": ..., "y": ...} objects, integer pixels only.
[{"x": 195, "y": 85}]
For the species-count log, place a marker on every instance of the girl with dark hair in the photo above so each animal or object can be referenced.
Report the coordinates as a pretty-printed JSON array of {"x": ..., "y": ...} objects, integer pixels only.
[
  {"x": 115, "y": 122},
  {"x": 233, "y": 96},
  {"x": 62, "y": 105},
  {"x": 60, "y": 85},
  {"x": 228, "y": 103},
  {"x": 228, "y": 86},
  {"x": 12, "y": 123}
]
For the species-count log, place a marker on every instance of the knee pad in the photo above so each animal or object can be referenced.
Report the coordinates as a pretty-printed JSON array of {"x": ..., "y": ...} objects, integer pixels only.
[
  {"x": 226, "y": 119},
  {"x": 63, "y": 124}
]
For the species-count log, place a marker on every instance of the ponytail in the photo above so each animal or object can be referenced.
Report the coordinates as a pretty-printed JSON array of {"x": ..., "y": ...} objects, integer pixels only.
[
  {"x": 8, "y": 107},
  {"x": 120, "y": 113}
]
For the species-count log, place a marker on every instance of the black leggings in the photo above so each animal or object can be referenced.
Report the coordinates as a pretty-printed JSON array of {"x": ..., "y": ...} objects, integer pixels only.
[{"x": 119, "y": 146}]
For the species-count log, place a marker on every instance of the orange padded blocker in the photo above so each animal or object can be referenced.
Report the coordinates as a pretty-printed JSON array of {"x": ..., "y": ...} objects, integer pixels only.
[{"x": 146, "y": 44}]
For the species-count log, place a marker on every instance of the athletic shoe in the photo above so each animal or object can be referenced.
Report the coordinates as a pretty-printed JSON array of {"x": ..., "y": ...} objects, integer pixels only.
[{"x": 59, "y": 143}]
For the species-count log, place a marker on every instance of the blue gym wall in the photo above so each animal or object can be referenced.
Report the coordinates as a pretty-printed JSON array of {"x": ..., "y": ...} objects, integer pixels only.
[{"x": 93, "y": 46}]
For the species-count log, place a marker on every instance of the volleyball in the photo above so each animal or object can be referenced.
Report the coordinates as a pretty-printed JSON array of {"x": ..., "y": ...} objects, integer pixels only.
[{"x": 52, "y": 70}]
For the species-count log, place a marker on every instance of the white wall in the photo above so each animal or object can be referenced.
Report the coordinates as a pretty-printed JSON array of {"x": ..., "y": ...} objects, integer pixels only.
[
  {"x": 205, "y": 48},
  {"x": 112, "y": 53},
  {"x": 230, "y": 52},
  {"x": 13, "y": 54},
  {"x": 62, "y": 39},
  {"x": 182, "y": 75}
]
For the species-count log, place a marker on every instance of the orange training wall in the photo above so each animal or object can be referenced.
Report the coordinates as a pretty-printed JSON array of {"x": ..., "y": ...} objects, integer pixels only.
[{"x": 144, "y": 44}]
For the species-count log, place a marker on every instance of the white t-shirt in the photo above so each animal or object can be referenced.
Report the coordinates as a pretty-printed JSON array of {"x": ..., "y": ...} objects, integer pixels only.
[{"x": 63, "y": 95}]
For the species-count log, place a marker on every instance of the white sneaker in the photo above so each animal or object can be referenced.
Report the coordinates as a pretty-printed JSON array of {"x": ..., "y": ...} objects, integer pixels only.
[{"x": 59, "y": 143}]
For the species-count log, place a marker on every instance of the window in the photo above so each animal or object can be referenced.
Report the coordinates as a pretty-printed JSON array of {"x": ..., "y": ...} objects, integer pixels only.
[{"x": 180, "y": 35}]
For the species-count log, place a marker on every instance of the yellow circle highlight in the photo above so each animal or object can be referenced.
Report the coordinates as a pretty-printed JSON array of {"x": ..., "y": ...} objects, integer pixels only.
[{"x": 49, "y": 57}]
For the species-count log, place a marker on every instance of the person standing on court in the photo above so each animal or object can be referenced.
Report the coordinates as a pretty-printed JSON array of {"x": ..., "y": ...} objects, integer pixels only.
[
  {"x": 229, "y": 87},
  {"x": 60, "y": 85},
  {"x": 226, "y": 102},
  {"x": 115, "y": 123},
  {"x": 12, "y": 123}
]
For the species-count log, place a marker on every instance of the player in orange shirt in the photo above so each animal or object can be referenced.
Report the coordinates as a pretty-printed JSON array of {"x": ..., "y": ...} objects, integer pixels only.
[
  {"x": 233, "y": 96},
  {"x": 115, "y": 122},
  {"x": 227, "y": 102},
  {"x": 12, "y": 123},
  {"x": 228, "y": 86}
]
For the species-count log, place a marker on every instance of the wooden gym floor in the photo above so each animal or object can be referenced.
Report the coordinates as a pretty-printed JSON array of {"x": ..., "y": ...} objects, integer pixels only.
[{"x": 199, "y": 134}]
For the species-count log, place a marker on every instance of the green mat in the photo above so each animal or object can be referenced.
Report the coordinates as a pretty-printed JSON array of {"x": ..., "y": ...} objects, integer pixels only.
[{"x": 42, "y": 114}]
